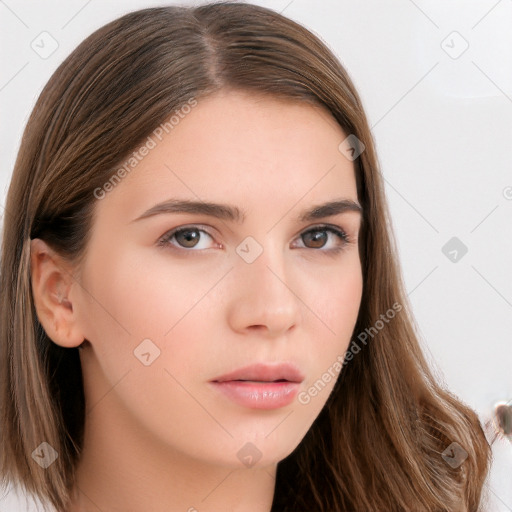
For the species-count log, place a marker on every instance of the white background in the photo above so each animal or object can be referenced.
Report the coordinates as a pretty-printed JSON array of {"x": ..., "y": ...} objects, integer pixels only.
[{"x": 443, "y": 127}]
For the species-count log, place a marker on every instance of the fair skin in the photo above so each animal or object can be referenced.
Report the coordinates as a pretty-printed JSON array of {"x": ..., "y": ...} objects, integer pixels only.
[{"x": 157, "y": 436}]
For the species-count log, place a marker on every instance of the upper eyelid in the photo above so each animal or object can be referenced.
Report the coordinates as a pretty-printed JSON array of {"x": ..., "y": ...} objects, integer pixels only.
[{"x": 206, "y": 228}]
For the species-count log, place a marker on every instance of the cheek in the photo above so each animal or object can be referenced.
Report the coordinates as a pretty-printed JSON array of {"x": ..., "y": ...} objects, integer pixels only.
[
  {"x": 348, "y": 300},
  {"x": 335, "y": 299},
  {"x": 128, "y": 303},
  {"x": 141, "y": 293},
  {"x": 336, "y": 303}
]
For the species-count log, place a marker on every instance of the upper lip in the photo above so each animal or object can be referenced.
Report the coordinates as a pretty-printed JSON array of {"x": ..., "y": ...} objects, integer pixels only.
[{"x": 264, "y": 372}]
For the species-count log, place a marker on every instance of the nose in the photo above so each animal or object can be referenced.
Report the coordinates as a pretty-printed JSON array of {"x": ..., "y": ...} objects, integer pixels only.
[{"x": 263, "y": 297}]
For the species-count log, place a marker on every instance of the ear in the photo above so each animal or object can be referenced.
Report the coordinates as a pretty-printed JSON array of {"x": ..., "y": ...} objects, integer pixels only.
[{"x": 52, "y": 288}]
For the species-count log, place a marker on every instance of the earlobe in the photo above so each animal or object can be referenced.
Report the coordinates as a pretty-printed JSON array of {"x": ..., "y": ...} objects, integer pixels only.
[{"x": 52, "y": 284}]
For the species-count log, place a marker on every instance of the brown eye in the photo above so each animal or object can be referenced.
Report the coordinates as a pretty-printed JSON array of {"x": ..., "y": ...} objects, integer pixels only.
[
  {"x": 317, "y": 239},
  {"x": 187, "y": 237},
  {"x": 193, "y": 237}
]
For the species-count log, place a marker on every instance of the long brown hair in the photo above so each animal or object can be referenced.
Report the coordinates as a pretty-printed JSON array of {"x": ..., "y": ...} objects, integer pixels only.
[{"x": 378, "y": 443}]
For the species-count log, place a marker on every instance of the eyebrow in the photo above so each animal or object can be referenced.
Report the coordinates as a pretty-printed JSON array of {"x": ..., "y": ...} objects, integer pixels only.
[{"x": 235, "y": 214}]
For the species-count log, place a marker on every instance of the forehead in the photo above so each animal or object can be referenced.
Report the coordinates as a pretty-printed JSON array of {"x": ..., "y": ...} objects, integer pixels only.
[{"x": 244, "y": 148}]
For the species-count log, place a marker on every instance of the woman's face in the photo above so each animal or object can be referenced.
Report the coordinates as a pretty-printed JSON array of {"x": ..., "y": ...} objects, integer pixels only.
[{"x": 166, "y": 318}]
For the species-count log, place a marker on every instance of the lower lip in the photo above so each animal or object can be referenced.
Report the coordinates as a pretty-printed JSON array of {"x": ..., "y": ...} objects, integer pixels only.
[{"x": 259, "y": 395}]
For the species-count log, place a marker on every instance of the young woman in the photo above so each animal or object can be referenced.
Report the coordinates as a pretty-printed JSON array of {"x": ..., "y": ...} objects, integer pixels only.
[{"x": 201, "y": 303}]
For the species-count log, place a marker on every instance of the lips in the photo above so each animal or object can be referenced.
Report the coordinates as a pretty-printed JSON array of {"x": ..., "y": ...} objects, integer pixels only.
[
  {"x": 262, "y": 372},
  {"x": 260, "y": 386}
]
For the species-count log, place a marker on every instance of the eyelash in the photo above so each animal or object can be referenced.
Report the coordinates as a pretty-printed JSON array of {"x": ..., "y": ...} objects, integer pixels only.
[{"x": 164, "y": 241}]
